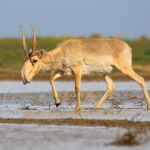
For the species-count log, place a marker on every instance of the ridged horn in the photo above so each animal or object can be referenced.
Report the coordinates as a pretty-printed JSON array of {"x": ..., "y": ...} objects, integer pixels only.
[
  {"x": 24, "y": 42},
  {"x": 34, "y": 39}
]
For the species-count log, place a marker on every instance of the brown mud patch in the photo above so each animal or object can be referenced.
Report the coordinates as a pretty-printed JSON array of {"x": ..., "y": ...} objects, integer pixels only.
[
  {"x": 80, "y": 122},
  {"x": 132, "y": 137}
]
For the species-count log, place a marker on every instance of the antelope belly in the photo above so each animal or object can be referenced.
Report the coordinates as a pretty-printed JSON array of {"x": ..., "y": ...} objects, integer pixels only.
[{"x": 94, "y": 69}]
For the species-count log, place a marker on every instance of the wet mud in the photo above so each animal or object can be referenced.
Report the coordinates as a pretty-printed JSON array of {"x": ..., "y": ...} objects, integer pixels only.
[{"x": 35, "y": 104}]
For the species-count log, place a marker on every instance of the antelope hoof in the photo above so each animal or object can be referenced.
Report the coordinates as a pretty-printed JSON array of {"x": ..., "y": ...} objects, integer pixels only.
[
  {"x": 77, "y": 108},
  {"x": 57, "y": 104},
  {"x": 96, "y": 107}
]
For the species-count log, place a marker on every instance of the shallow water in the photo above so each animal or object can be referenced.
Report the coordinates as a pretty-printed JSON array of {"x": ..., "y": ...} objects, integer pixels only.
[
  {"x": 44, "y": 86},
  {"x": 15, "y": 95}
]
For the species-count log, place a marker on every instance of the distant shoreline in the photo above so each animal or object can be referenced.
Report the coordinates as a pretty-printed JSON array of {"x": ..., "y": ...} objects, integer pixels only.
[
  {"x": 45, "y": 77},
  {"x": 14, "y": 74}
]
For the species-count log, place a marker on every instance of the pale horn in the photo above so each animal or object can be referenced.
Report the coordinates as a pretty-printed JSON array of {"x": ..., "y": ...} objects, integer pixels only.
[
  {"x": 24, "y": 43},
  {"x": 34, "y": 39}
]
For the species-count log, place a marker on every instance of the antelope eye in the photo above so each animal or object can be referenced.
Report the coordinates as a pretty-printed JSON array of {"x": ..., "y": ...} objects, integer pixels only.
[{"x": 34, "y": 60}]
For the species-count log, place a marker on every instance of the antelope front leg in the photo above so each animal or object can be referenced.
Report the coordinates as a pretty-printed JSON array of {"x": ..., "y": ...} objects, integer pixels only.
[
  {"x": 77, "y": 75},
  {"x": 110, "y": 88},
  {"x": 53, "y": 77}
]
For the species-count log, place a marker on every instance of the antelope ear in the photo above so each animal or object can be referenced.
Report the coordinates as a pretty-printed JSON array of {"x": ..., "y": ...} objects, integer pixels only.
[{"x": 42, "y": 53}]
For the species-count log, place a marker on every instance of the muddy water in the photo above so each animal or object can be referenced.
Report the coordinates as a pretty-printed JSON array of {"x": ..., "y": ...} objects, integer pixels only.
[{"x": 41, "y": 137}]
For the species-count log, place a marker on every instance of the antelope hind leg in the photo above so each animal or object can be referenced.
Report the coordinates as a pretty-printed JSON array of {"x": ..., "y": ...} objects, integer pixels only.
[{"x": 131, "y": 73}]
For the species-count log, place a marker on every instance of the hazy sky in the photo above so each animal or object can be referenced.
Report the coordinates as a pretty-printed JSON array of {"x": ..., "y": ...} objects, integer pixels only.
[{"x": 126, "y": 18}]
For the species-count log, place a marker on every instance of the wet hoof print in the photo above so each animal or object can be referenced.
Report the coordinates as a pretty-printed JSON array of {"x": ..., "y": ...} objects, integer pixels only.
[{"x": 57, "y": 104}]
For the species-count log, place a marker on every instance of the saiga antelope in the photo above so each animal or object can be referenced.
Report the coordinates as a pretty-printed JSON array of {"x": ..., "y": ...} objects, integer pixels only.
[{"x": 81, "y": 56}]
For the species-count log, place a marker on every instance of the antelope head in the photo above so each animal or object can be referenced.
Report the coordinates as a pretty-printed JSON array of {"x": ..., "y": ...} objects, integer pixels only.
[{"x": 33, "y": 63}]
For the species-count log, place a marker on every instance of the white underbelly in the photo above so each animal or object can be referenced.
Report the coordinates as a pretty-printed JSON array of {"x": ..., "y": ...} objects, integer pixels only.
[
  {"x": 91, "y": 69},
  {"x": 95, "y": 69}
]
